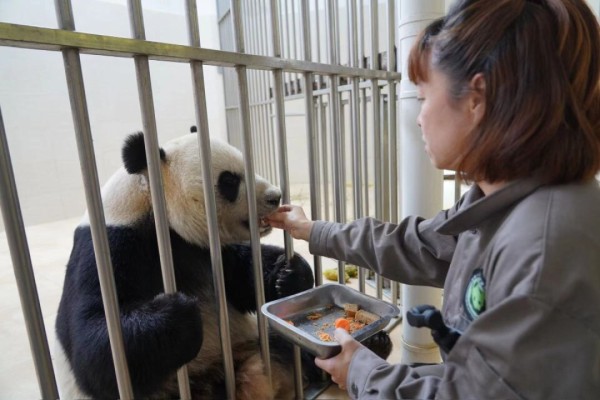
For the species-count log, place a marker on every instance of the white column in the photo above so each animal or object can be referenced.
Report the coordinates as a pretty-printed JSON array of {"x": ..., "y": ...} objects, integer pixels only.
[
  {"x": 421, "y": 183},
  {"x": 595, "y": 6}
]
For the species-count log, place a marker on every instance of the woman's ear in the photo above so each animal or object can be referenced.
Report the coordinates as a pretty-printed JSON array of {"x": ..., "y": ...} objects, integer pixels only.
[{"x": 477, "y": 98}]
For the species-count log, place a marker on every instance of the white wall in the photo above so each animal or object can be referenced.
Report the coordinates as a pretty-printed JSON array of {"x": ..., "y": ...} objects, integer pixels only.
[
  {"x": 36, "y": 110},
  {"x": 595, "y": 5}
]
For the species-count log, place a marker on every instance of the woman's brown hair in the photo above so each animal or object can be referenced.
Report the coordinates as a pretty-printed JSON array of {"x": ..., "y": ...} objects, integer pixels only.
[{"x": 541, "y": 64}]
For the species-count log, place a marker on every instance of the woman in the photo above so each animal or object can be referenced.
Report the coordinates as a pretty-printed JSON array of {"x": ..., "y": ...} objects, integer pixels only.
[{"x": 510, "y": 94}]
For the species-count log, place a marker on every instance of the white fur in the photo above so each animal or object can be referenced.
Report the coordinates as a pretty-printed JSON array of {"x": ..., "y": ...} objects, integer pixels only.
[
  {"x": 65, "y": 379},
  {"x": 126, "y": 199}
]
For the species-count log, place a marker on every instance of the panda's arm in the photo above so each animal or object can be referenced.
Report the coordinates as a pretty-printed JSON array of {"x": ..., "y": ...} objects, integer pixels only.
[
  {"x": 281, "y": 278},
  {"x": 160, "y": 333},
  {"x": 159, "y": 337}
]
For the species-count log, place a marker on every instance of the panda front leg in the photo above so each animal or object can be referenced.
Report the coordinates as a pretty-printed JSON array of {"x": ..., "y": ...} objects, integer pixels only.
[
  {"x": 159, "y": 337},
  {"x": 284, "y": 277},
  {"x": 281, "y": 277}
]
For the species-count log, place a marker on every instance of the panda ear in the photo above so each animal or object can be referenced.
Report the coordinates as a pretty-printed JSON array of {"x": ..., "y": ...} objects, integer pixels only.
[{"x": 134, "y": 154}]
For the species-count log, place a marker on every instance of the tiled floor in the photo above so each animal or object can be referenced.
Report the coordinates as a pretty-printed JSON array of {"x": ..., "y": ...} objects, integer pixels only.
[{"x": 50, "y": 245}]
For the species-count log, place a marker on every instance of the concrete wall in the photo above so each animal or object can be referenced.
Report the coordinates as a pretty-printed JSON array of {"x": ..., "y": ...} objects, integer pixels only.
[
  {"x": 35, "y": 103},
  {"x": 36, "y": 111}
]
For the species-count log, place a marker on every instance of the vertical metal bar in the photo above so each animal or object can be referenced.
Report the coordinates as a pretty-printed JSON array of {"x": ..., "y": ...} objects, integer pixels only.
[
  {"x": 393, "y": 110},
  {"x": 393, "y": 127},
  {"x": 251, "y": 186},
  {"x": 294, "y": 52},
  {"x": 324, "y": 156},
  {"x": 97, "y": 221},
  {"x": 263, "y": 87},
  {"x": 280, "y": 123},
  {"x": 262, "y": 142},
  {"x": 283, "y": 168},
  {"x": 318, "y": 41},
  {"x": 355, "y": 125},
  {"x": 336, "y": 134},
  {"x": 271, "y": 128},
  {"x": 315, "y": 181},
  {"x": 246, "y": 18},
  {"x": 365, "y": 135},
  {"x": 375, "y": 96},
  {"x": 375, "y": 100},
  {"x": 362, "y": 273},
  {"x": 209, "y": 200},
  {"x": 262, "y": 135},
  {"x": 265, "y": 121},
  {"x": 87, "y": 159},
  {"x": 267, "y": 46},
  {"x": 287, "y": 48},
  {"x": 23, "y": 269},
  {"x": 385, "y": 157},
  {"x": 159, "y": 204}
]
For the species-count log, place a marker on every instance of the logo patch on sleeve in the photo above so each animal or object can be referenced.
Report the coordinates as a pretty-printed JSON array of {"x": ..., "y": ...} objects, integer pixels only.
[{"x": 475, "y": 295}]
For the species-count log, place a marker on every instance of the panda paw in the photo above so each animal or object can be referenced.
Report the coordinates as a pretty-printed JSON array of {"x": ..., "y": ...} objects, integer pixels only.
[
  {"x": 181, "y": 311},
  {"x": 380, "y": 344},
  {"x": 293, "y": 276}
]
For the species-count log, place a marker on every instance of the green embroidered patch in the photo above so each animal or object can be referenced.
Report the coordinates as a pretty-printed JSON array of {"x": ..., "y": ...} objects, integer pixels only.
[{"x": 475, "y": 295}]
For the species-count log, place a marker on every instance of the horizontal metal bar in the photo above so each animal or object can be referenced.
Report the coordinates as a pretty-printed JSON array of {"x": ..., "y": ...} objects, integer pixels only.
[{"x": 33, "y": 37}]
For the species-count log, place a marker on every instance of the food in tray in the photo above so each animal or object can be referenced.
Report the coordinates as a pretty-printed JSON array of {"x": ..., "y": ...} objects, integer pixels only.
[
  {"x": 350, "y": 309},
  {"x": 342, "y": 323},
  {"x": 352, "y": 320},
  {"x": 366, "y": 317},
  {"x": 309, "y": 319},
  {"x": 314, "y": 316}
]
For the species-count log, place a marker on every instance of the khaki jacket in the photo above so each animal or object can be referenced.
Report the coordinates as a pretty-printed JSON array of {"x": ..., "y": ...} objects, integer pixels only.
[{"x": 521, "y": 275}]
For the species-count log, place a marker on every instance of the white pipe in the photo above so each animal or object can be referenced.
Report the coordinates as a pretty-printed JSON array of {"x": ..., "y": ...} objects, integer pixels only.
[{"x": 421, "y": 183}]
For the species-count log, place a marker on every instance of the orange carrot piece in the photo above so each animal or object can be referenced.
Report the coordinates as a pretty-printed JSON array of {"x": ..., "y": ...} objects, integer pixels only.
[{"x": 342, "y": 323}]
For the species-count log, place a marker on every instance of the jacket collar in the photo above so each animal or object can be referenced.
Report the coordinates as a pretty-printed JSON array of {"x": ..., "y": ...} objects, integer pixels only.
[{"x": 476, "y": 207}]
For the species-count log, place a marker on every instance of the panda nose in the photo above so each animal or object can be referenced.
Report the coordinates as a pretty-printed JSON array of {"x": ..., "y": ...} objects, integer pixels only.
[{"x": 273, "y": 198}]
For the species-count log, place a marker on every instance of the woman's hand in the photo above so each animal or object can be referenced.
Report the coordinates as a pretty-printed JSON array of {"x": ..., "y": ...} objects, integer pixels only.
[
  {"x": 292, "y": 219},
  {"x": 338, "y": 366}
]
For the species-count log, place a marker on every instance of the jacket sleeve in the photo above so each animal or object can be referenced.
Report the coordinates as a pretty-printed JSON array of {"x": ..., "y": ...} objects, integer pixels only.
[
  {"x": 371, "y": 377},
  {"x": 411, "y": 252},
  {"x": 516, "y": 350}
]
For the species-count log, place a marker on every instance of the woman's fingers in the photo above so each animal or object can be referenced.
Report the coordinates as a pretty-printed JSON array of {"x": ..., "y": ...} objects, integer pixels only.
[{"x": 342, "y": 336}]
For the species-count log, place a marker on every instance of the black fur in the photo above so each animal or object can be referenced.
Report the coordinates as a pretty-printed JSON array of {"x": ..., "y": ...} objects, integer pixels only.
[
  {"x": 161, "y": 332},
  {"x": 134, "y": 153},
  {"x": 228, "y": 186}
]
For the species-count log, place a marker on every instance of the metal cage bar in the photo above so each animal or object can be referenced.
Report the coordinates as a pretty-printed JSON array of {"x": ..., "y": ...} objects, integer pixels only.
[
  {"x": 393, "y": 128},
  {"x": 337, "y": 146},
  {"x": 312, "y": 141},
  {"x": 89, "y": 171},
  {"x": 197, "y": 69},
  {"x": 255, "y": 123},
  {"x": 159, "y": 203},
  {"x": 23, "y": 268},
  {"x": 250, "y": 185}
]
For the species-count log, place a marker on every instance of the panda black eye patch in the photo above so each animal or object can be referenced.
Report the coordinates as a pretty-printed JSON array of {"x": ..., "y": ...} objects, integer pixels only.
[{"x": 228, "y": 185}]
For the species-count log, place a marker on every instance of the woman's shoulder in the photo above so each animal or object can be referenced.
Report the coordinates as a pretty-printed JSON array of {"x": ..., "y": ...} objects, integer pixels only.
[
  {"x": 561, "y": 209},
  {"x": 552, "y": 240}
]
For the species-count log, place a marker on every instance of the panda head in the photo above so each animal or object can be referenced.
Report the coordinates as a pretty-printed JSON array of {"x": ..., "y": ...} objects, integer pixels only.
[{"x": 127, "y": 198}]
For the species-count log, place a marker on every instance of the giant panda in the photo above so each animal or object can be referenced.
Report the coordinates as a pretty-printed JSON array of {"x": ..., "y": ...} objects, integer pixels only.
[{"x": 162, "y": 332}]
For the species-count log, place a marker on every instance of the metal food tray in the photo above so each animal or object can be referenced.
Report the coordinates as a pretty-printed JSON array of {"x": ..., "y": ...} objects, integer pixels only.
[{"x": 328, "y": 300}]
